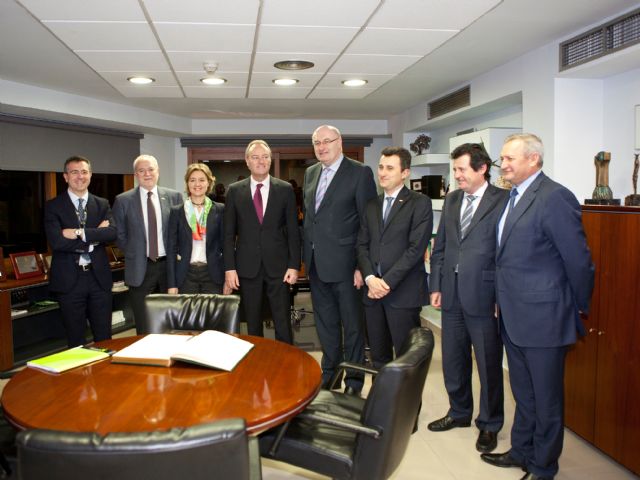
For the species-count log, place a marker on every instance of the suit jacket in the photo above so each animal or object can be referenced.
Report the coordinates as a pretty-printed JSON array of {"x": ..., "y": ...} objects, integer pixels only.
[
  {"x": 248, "y": 244},
  {"x": 331, "y": 233},
  {"x": 180, "y": 245},
  {"x": 544, "y": 274},
  {"x": 397, "y": 248},
  {"x": 132, "y": 238},
  {"x": 475, "y": 254},
  {"x": 60, "y": 213}
]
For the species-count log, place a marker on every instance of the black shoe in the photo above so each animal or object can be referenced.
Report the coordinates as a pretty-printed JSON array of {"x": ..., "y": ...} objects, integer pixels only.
[
  {"x": 351, "y": 391},
  {"x": 533, "y": 476},
  {"x": 447, "y": 423},
  {"x": 504, "y": 460},
  {"x": 487, "y": 441}
]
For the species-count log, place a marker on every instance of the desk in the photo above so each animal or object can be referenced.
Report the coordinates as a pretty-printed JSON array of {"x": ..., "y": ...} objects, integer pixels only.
[{"x": 273, "y": 383}]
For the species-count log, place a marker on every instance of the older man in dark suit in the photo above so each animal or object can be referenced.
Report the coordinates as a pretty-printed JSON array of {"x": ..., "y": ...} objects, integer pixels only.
[
  {"x": 462, "y": 284},
  {"x": 78, "y": 225},
  {"x": 394, "y": 234},
  {"x": 544, "y": 279},
  {"x": 336, "y": 191},
  {"x": 142, "y": 219},
  {"x": 262, "y": 242}
]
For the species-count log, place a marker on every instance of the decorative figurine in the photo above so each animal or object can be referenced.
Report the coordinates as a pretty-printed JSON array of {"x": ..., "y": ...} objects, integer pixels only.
[
  {"x": 421, "y": 144},
  {"x": 602, "y": 194},
  {"x": 634, "y": 199}
]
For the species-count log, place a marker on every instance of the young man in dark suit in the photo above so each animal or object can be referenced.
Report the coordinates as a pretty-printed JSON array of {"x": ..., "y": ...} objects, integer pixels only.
[
  {"x": 142, "y": 219},
  {"x": 78, "y": 224},
  {"x": 394, "y": 234},
  {"x": 262, "y": 242},
  {"x": 336, "y": 191},
  {"x": 462, "y": 284},
  {"x": 544, "y": 280}
]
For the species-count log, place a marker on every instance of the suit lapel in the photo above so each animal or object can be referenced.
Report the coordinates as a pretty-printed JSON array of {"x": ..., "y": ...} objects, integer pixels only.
[
  {"x": 247, "y": 200},
  {"x": 519, "y": 209},
  {"x": 92, "y": 211},
  {"x": 400, "y": 201},
  {"x": 137, "y": 202},
  {"x": 274, "y": 190},
  {"x": 338, "y": 178},
  {"x": 487, "y": 202},
  {"x": 165, "y": 207},
  {"x": 454, "y": 214}
]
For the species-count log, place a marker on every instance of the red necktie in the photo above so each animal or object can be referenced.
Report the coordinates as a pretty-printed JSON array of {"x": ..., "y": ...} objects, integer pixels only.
[{"x": 257, "y": 202}]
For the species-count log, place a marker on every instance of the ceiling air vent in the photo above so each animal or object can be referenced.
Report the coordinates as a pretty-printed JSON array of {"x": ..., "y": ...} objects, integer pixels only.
[
  {"x": 449, "y": 103},
  {"x": 620, "y": 33}
]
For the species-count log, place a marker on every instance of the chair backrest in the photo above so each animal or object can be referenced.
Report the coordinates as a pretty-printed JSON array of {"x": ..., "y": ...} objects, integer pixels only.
[
  {"x": 191, "y": 312},
  {"x": 392, "y": 405},
  {"x": 217, "y": 450}
]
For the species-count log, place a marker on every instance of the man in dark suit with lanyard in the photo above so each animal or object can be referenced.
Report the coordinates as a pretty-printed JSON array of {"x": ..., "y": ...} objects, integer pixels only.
[
  {"x": 262, "y": 242},
  {"x": 142, "y": 218},
  {"x": 544, "y": 279},
  {"x": 394, "y": 234},
  {"x": 462, "y": 284},
  {"x": 336, "y": 191},
  {"x": 78, "y": 224}
]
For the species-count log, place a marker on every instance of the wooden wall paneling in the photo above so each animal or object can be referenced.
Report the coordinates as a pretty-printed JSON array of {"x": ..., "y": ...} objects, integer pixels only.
[
  {"x": 127, "y": 182},
  {"x": 6, "y": 331}
]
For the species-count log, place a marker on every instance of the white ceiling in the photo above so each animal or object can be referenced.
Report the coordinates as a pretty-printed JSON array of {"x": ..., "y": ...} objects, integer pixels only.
[{"x": 407, "y": 50}]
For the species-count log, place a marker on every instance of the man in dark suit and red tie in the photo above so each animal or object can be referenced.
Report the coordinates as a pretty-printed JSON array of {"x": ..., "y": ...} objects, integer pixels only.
[
  {"x": 142, "y": 218},
  {"x": 335, "y": 194},
  {"x": 462, "y": 285},
  {"x": 262, "y": 242},
  {"x": 544, "y": 280},
  {"x": 78, "y": 225},
  {"x": 394, "y": 234}
]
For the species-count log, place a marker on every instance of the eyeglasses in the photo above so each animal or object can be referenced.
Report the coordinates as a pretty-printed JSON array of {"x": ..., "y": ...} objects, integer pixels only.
[
  {"x": 324, "y": 142},
  {"x": 78, "y": 172}
]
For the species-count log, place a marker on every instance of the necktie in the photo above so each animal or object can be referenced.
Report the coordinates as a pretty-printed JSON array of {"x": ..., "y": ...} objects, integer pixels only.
[
  {"x": 257, "y": 202},
  {"x": 465, "y": 221},
  {"x": 387, "y": 209},
  {"x": 512, "y": 200},
  {"x": 152, "y": 228},
  {"x": 322, "y": 187},
  {"x": 82, "y": 219}
]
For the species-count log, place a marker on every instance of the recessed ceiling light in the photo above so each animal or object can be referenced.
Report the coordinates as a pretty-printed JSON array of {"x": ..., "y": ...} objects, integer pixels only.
[
  {"x": 354, "y": 82},
  {"x": 293, "y": 65},
  {"x": 285, "y": 82},
  {"x": 213, "y": 80},
  {"x": 141, "y": 80}
]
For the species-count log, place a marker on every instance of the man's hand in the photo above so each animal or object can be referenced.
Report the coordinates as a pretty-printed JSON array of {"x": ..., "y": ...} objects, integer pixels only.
[
  {"x": 435, "y": 299},
  {"x": 104, "y": 223},
  {"x": 226, "y": 289},
  {"x": 291, "y": 276},
  {"x": 172, "y": 291},
  {"x": 378, "y": 288},
  {"x": 69, "y": 233},
  {"x": 231, "y": 279},
  {"x": 358, "y": 282}
]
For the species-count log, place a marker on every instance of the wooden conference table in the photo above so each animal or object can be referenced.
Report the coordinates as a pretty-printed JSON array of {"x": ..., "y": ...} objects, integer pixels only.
[{"x": 273, "y": 383}]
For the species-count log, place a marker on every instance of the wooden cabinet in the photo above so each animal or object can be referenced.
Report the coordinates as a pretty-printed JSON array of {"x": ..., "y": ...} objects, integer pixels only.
[{"x": 602, "y": 380}]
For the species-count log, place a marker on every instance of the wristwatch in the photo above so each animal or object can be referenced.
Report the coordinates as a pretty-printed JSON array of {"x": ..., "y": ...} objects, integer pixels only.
[{"x": 78, "y": 232}]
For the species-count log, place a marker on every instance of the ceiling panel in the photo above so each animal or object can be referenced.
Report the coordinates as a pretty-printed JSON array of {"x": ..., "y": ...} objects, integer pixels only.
[
  {"x": 394, "y": 41},
  {"x": 304, "y": 39},
  {"x": 227, "y": 61},
  {"x": 327, "y": 93},
  {"x": 334, "y": 80},
  {"x": 222, "y": 91},
  {"x": 150, "y": 91},
  {"x": 119, "y": 79},
  {"x": 124, "y": 61},
  {"x": 105, "y": 35},
  {"x": 350, "y": 13},
  {"x": 278, "y": 92},
  {"x": 206, "y": 37},
  {"x": 113, "y": 10},
  {"x": 307, "y": 80},
  {"x": 193, "y": 79},
  {"x": 390, "y": 64},
  {"x": 205, "y": 11},
  {"x": 263, "y": 62}
]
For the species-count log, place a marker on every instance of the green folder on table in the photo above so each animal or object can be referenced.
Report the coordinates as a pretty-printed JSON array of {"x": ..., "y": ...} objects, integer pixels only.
[{"x": 68, "y": 359}]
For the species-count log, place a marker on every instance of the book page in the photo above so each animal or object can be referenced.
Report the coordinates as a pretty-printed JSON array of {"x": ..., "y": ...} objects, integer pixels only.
[
  {"x": 152, "y": 348},
  {"x": 214, "y": 349}
]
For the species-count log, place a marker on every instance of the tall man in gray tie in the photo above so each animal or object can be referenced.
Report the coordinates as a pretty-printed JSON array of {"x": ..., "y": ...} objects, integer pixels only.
[
  {"x": 462, "y": 284},
  {"x": 544, "y": 279},
  {"x": 142, "y": 219},
  {"x": 336, "y": 191}
]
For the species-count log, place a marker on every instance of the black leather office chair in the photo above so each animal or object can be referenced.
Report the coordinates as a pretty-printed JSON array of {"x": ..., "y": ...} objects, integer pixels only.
[
  {"x": 7, "y": 444},
  {"x": 218, "y": 450},
  {"x": 347, "y": 437},
  {"x": 191, "y": 312}
]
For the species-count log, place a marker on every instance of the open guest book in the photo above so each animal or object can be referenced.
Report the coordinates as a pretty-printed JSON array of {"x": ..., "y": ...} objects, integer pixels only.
[{"x": 210, "y": 348}]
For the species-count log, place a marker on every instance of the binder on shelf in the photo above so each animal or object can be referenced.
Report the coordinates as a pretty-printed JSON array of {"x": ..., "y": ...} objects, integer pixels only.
[
  {"x": 210, "y": 349},
  {"x": 68, "y": 359}
]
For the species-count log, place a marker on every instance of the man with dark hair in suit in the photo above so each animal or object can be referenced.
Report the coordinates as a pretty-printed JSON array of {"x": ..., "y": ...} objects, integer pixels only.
[
  {"x": 336, "y": 191},
  {"x": 142, "y": 218},
  {"x": 544, "y": 279},
  {"x": 262, "y": 242},
  {"x": 462, "y": 284},
  {"x": 394, "y": 234},
  {"x": 78, "y": 225}
]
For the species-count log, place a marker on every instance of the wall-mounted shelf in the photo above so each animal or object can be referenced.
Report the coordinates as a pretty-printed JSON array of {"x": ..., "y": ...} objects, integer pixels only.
[{"x": 430, "y": 159}]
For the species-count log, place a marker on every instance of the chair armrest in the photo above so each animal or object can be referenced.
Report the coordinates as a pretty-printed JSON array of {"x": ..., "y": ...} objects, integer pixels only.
[
  {"x": 341, "y": 422},
  {"x": 350, "y": 366}
]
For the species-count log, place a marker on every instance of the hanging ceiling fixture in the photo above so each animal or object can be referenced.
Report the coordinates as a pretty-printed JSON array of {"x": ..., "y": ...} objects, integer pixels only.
[{"x": 211, "y": 79}]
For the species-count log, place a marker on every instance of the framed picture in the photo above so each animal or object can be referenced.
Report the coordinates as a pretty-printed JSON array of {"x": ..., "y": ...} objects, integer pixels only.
[
  {"x": 25, "y": 265},
  {"x": 416, "y": 185}
]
